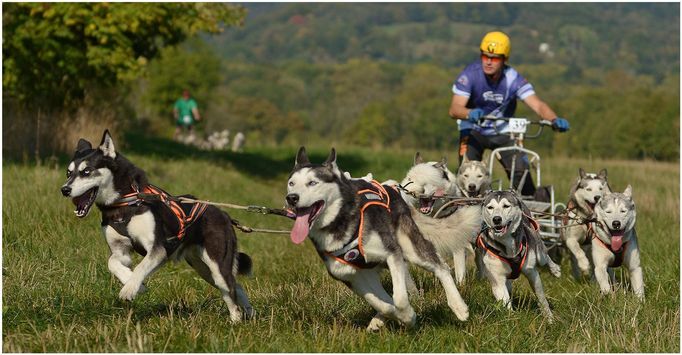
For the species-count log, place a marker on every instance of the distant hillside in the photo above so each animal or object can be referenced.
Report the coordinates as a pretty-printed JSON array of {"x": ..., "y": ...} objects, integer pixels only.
[
  {"x": 640, "y": 38},
  {"x": 381, "y": 74}
]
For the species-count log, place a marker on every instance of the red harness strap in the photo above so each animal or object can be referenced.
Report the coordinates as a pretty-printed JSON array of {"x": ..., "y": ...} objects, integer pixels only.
[
  {"x": 571, "y": 206},
  {"x": 378, "y": 196},
  {"x": 617, "y": 255},
  {"x": 516, "y": 263},
  {"x": 185, "y": 219},
  {"x": 381, "y": 192}
]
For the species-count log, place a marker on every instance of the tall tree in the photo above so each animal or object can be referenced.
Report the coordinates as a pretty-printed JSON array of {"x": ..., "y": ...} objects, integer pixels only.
[{"x": 54, "y": 52}]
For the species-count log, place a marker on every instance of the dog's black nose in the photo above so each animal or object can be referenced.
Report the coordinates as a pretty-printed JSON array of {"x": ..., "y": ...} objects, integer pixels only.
[
  {"x": 497, "y": 220},
  {"x": 66, "y": 191},
  {"x": 615, "y": 224},
  {"x": 472, "y": 187},
  {"x": 292, "y": 199},
  {"x": 596, "y": 199}
]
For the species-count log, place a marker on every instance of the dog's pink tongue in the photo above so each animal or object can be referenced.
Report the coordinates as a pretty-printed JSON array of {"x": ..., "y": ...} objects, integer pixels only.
[
  {"x": 300, "y": 230},
  {"x": 616, "y": 242}
]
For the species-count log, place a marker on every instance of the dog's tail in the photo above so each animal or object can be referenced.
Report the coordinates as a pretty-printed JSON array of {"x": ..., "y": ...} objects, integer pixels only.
[
  {"x": 452, "y": 233},
  {"x": 244, "y": 264}
]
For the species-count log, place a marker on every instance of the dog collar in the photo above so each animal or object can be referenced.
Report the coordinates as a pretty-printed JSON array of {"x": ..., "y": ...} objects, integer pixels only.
[{"x": 130, "y": 199}]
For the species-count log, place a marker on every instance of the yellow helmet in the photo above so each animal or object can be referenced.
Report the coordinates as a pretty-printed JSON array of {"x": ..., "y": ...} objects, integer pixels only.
[{"x": 496, "y": 43}]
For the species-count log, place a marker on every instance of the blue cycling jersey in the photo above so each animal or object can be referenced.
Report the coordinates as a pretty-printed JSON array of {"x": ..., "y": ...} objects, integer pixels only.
[{"x": 495, "y": 99}]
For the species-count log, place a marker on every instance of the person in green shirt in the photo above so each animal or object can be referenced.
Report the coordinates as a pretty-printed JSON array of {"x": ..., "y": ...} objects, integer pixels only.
[{"x": 186, "y": 113}]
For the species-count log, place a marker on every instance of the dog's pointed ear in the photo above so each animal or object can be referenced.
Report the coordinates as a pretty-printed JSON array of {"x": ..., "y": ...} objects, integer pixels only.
[
  {"x": 107, "y": 145},
  {"x": 331, "y": 163},
  {"x": 628, "y": 191},
  {"x": 443, "y": 163},
  {"x": 465, "y": 159},
  {"x": 301, "y": 157},
  {"x": 83, "y": 145},
  {"x": 602, "y": 174},
  {"x": 581, "y": 172},
  {"x": 418, "y": 158}
]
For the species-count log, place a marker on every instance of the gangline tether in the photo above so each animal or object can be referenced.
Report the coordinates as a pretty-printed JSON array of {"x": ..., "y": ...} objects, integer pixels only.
[
  {"x": 289, "y": 214},
  {"x": 251, "y": 208}
]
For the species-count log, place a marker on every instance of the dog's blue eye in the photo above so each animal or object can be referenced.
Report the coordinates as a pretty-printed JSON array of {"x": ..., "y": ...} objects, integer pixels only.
[
  {"x": 312, "y": 183},
  {"x": 68, "y": 173},
  {"x": 291, "y": 183},
  {"x": 86, "y": 171}
]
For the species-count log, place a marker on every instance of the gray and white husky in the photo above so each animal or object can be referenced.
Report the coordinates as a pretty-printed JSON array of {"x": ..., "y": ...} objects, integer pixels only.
[
  {"x": 512, "y": 246},
  {"x": 614, "y": 241},
  {"x": 473, "y": 178},
  {"x": 584, "y": 194},
  {"x": 432, "y": 180},
  {"x": 360, "y": 228},
  {"x": 158, "y": 228}
]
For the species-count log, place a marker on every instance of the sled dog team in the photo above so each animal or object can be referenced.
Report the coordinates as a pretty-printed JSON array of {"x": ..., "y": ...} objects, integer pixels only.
[{"x": 360, "y": 227}]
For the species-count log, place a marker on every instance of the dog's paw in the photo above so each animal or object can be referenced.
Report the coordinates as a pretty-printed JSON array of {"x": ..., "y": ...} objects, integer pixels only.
[
  {"x": 409, "y": 318},
  {"x": 249, "y": 313},
  {"x": 129, "y": 291},
  {"x": 555, "y": 270},
  {"x": 584, "y": 266},
  {"x": 549, "y": 317},
  {"x": 604, "y": 291},
  {"x": 461, "y": 311},
  {"x": 236, "y": 316},
  {"x": 375, "y": 325}
]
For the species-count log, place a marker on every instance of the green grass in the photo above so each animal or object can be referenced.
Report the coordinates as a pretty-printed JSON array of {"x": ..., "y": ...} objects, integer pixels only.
[{"x": 58, "y": 295}]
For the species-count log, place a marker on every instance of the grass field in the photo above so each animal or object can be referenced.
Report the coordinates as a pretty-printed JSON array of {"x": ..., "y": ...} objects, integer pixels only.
[{"x": 58, "y": 295}]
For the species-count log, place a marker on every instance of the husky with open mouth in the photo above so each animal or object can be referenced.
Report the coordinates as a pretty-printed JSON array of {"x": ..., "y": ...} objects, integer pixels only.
[
  {"x": 431, "y": 182},
  {"x": 614, "y": 240},
  {"x": 585, "y": 193},
  {"x": 512, "y": 246},
  {"x": 359, "y": 228},
  {"x": 142, "y": 217}
]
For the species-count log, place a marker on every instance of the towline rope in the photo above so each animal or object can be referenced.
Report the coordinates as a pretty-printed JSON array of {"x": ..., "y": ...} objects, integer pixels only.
[{"x": 251, "y": 208}]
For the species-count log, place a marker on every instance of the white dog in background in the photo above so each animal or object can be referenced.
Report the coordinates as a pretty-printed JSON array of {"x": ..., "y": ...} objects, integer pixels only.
[{"x": 584, "y": 194}]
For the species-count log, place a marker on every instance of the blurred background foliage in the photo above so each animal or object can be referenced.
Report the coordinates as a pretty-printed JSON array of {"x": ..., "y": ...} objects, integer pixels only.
[{"x": 376, "y": 75}]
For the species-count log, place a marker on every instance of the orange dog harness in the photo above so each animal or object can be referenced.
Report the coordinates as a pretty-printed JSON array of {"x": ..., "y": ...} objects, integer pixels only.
[
  {"x": 353, "y": 253},
  {"x": 185, "y": 214}
]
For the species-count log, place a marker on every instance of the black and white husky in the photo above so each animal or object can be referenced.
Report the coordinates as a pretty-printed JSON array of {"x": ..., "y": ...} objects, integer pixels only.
[
  {"x": 614, "y": 240},
  {"x": 158, "y": 228},
  {"x": 360, "y": 228},
  {"x": 512, "y": 246}
]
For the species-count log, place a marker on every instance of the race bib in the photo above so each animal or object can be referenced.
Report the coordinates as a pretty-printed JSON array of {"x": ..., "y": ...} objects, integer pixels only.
[
  {"x": 187, "y": 119},
  {"x": 517, "y": 125}
]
